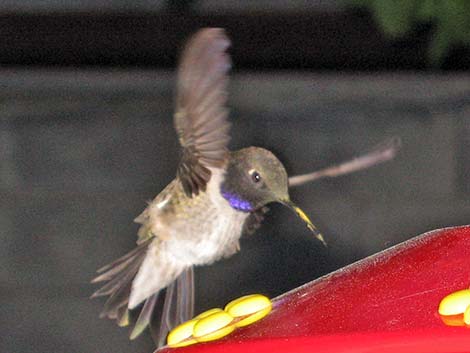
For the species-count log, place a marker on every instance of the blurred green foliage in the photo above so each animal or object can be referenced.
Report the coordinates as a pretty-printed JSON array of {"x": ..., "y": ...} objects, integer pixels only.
[{"x": 450, "y": 18}]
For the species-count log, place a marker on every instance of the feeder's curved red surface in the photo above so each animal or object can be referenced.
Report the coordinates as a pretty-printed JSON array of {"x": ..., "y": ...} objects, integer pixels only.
[{"x": 385, "y": 303}]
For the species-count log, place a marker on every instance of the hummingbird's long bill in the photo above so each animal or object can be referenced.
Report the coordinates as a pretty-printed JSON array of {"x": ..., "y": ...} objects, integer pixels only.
[{"x": 305, "y": 218}]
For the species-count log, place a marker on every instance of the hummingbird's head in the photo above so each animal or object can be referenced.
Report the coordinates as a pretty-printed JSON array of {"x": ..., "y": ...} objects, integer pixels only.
[{"x": 255, "y": 177}]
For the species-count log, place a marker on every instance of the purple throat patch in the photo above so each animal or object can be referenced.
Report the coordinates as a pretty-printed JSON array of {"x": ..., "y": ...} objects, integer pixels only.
[{"x": 236, "y": 202}]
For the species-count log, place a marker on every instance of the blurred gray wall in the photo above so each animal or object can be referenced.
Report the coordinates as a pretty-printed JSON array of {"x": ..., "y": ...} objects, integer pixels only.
[{"x": 82, "y": 151}]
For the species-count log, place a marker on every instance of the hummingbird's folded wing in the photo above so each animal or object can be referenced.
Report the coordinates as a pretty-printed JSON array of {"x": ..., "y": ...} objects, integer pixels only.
[{"x": 201, "y": 113}]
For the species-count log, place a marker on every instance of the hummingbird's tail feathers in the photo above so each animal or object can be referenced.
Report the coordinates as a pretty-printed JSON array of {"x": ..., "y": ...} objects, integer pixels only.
[
  {"x": 122, "y": 318},
  {"x": 185, "y": 296},
  {"x": 145, "y": 316},
  {"x": 178, "y": 306},
  {"x": 168, "y": 318},
  {"x": 119, "y": 275},
  {"x": 158, "y": 269},
  {"x": 117, "y": 301},
  {"x": 139, "y": 276},
  {"x": 119, "y": 261}
]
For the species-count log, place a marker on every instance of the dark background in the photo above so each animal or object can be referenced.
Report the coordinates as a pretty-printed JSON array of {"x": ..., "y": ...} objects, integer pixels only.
[{"x": 86, "y": 138}]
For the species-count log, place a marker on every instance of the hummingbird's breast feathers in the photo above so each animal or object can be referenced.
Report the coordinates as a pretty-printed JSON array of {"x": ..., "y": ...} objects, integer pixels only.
[
  {"x": 186, "y": 231},
  {"x": 196, "y": 230}
]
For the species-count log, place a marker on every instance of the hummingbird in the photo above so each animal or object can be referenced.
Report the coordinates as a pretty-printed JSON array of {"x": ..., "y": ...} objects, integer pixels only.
[{"x": 217, "y": 196}]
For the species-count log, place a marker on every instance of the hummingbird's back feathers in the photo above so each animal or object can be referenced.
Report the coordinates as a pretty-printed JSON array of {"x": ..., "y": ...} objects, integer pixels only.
[
  {"x": 201, "y": 113},
  {"x": 163, "y": 203}
]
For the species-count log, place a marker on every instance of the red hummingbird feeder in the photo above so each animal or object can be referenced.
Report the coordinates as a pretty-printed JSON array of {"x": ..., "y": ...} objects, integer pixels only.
[{"x": 388, "y": 302}]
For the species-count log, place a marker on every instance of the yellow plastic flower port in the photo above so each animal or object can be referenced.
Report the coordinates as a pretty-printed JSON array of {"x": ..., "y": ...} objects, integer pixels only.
[
  {"x": 455, "y": 308},
  {"x": 249, "y": 309},
  {"x": 213, "y": 326},
  {"x": 217, "y": 323},
  {"x": 455, "y": 303},
  {"x": 466, "y": 316},
  {"x": 182, "y": 335},
  {"x": 208, "y": 312}
]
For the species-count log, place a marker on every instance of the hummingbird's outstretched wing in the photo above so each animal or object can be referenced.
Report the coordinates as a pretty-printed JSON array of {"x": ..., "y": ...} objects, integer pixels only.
[{"x": 201, "y": 113}]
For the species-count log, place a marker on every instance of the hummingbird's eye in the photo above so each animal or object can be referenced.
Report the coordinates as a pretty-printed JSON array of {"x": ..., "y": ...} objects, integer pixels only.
[{"x": 255, "y": 176}]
